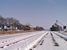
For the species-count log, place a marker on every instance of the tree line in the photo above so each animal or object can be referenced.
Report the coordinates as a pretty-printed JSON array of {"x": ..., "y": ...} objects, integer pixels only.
[
  {"x": 57, "y": 27},
  {"x": 14, "y": 24}
]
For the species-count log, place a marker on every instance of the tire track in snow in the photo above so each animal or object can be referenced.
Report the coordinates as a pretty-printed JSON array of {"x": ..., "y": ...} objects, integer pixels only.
[{"x": 54, "y": 41}]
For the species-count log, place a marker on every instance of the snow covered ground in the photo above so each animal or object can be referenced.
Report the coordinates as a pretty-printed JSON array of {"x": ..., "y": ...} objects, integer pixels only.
[
  {"x": 19, "y": 41},
  {"x": 40, "y": 40},
  {"x": 48, "y": 43}
]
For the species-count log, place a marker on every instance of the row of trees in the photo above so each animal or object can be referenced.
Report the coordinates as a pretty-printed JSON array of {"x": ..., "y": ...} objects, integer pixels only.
[
  {"x": 57, "y": 27},
  {"x": 11, "y": 23},
  {"x": 28, "y": 27},
  {"x": 8, "y": 23},
  {"x": 38, "y": 28}
]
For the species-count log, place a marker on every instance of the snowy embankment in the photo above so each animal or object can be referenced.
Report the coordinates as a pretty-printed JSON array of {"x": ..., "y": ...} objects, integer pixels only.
[
  {"x": 14, "y": 41},
  {"x": 49, "y": 42},
  {"x": 61, "y": 35},
  {"x": 32, "y": 45}
]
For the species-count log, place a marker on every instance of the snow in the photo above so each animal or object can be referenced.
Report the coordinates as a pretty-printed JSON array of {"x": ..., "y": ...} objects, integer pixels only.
[
  {"x": 35, "y": 43},
  {"x": 40, "y": 40},
  {"x": 15, "y": 42},
  {"x": 49, "y": 45}
]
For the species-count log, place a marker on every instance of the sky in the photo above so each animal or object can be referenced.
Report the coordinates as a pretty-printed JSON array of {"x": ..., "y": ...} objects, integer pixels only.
[{"x": 35, "y": 12}]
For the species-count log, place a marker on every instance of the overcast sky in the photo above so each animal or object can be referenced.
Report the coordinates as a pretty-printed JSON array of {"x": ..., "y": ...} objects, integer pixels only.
[{"x": 36, "y": 12}]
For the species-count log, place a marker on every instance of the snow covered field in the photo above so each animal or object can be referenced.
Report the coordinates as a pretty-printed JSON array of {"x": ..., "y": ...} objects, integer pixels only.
[
  {"x": 19, "y": 41},
  {"x": 40, "y": 40},
  {"x": 48, "y": 43}
]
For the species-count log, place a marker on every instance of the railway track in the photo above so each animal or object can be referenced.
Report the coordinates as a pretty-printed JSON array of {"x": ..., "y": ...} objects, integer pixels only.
[
  {"x": 10, "y": 42},
  {"x": 43, "y": 40}
]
